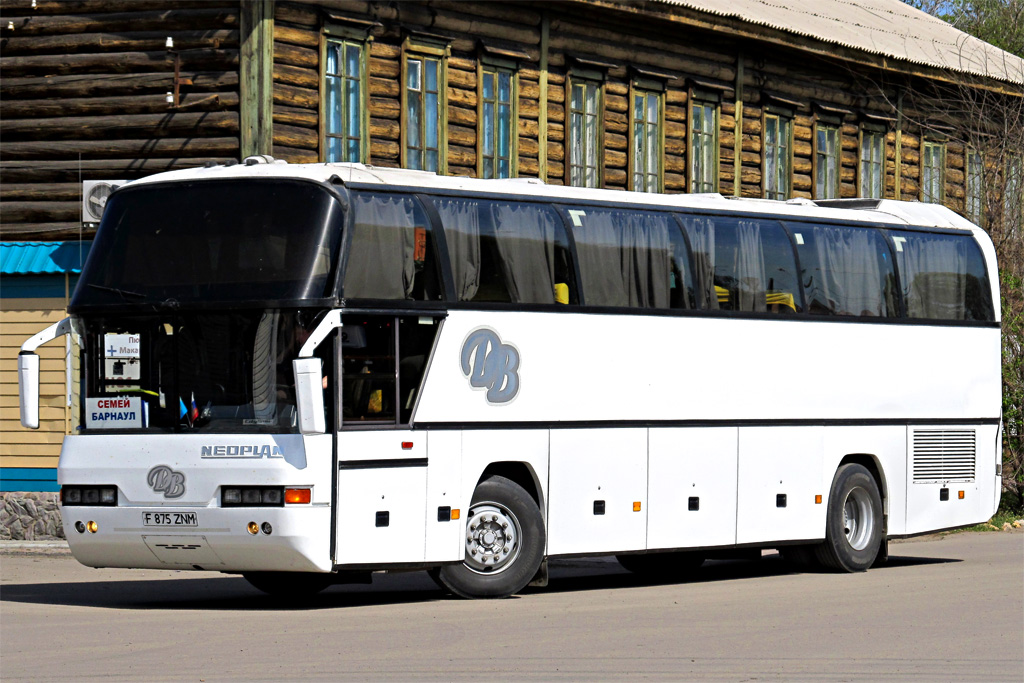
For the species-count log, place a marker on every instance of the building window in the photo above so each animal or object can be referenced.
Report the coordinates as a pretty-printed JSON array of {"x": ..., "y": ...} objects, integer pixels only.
[
  {"x": 343, "y": 97},
  {"x": 778, "y": 132},
  {"x": 497, "y": 119},
  {"x": 933, "y": 164},
  {"x": 645, "y": 168},
  {"x": 584, "y": 132},
  {"x": 826, "y": 161},
  {"x": 704, "y": 146},
  {"x": 423, "y": 107},
  {"x": 974, "y": 198},
  {"x": 872, "y": 164}
]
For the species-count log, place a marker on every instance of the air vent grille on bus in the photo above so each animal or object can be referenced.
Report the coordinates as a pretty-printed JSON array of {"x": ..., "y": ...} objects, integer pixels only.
[{"x": 943, "y": 455}]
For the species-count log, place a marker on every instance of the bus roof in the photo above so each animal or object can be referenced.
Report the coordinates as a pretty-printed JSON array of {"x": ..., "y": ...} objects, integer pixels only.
[{"x": 865, "y": 210}]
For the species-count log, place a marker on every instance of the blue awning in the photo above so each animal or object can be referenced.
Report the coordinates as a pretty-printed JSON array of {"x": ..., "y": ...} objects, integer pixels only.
[{"x": 42, "y": 258}]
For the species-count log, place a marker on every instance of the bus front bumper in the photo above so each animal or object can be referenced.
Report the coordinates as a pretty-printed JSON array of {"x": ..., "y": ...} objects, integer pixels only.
[{"x": 202, "y": 538}]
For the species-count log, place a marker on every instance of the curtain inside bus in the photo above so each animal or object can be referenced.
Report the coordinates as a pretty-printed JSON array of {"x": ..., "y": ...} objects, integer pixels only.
[
  {"x": 846, "y": 271},
  {"x": 631, "y": 258},
  {"x": 506, "y": 251},
  {"x": 743, "y": 264},
  {"x": 943, "y": 276}
]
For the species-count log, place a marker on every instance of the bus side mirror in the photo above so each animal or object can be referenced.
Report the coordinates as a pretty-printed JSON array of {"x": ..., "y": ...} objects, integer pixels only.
[
  {"x": 309, "y": 395},
  {"x": 28, "y": 389}
]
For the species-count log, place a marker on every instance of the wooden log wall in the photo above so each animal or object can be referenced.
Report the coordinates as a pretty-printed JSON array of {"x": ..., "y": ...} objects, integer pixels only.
[
  {"x": 296, "y": 108},
  {"x": 83, "y": 97}
]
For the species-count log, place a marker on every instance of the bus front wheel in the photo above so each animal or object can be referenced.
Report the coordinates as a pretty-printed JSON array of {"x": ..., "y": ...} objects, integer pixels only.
[
  {"x": 504, "y": 543},
  {"x": 853, "y": 528}
]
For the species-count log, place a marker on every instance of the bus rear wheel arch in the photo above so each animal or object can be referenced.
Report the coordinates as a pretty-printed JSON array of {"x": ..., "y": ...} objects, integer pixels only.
[{"x": 504, "y": 543}]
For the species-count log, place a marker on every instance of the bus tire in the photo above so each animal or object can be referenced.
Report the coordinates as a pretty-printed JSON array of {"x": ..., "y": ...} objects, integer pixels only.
[
  {"x": 662, "y": 565},
  {"x": 289, "y": 584},
  {"x": 853, "y": 526},
  {"x": 504, "y": 543}
]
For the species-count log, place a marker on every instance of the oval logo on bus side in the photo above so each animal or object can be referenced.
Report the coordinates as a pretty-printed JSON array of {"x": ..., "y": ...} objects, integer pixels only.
[{"x": 489, "y": 364}]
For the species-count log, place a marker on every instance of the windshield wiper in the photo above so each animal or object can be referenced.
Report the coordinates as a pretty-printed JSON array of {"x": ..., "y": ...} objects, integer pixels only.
[{"x": 122, "y": 292}]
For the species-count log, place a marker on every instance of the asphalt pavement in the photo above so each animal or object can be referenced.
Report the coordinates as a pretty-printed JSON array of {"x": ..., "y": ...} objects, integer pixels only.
[{"x": 944, "y": 608}]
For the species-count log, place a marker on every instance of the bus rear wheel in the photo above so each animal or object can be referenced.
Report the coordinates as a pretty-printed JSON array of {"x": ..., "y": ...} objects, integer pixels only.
[
  {"x": 853, "y": 527},
  {"x": 504, "y": 543},
  {"x": 289, "y": 584},
  {"x": 662, "y": 565}
]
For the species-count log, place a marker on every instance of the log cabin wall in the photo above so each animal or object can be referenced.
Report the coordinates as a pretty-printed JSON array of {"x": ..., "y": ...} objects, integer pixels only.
[
  {"x": 748, "y": 79},
  {"x": 84, "y": 96}
]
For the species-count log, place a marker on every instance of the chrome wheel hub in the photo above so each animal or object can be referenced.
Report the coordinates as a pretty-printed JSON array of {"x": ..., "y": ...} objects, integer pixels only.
[
  {"x": 858, "y": 519},
  {"x": 492, "y": 538}
]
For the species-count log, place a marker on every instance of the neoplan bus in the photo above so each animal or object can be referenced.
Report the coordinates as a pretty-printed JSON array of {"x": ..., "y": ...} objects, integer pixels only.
[{"x": 307, "y": 373}]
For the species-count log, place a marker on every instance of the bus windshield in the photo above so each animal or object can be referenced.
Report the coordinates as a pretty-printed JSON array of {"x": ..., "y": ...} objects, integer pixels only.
[
  {"x": 213, "y": 242},
  {"x": 226, "y": 371}
]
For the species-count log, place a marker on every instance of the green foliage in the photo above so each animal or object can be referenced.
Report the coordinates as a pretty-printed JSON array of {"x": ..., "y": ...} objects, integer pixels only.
[
  {"x": 1013, "y": 382},
  {"x": 999, "y": 22}
]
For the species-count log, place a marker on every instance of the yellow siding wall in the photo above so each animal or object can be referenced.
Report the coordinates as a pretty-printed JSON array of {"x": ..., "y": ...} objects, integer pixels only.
[{"x": 20, "y": 447}]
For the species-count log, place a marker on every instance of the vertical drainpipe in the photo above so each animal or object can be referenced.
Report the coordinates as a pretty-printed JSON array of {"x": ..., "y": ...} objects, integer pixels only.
[
  {"x": 899, "y": 143},
  {"x": 67, "y": 357},
  {"x": 256, "y": 83},
  {"x": 738, "y": 133},
  {"x": 542, "y": 119}
]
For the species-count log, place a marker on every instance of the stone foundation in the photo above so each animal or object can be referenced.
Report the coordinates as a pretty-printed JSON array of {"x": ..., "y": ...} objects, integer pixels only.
[{"x": 30, "y": 517}]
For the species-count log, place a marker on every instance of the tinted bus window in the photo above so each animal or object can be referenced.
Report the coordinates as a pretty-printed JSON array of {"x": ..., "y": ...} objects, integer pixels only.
[
  {"x": 223, "y": 241},
  {"x": 846, "y": 271},
  {"x": 943, "y": 276},
  {"x": 507, "y": 251},
  {"x": 743, "y": 264},
  {"x": 391, "y": 251},
  {"x": 631, "y": 258}
]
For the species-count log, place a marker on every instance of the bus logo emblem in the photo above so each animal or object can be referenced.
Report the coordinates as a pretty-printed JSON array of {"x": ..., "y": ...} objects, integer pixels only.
[
  {"x": 163, "y": 479},
  {"x": 491, "y": 365}
]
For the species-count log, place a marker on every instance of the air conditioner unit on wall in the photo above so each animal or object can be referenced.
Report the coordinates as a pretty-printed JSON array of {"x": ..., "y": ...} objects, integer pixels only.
[{"x": 94, "y": 198}]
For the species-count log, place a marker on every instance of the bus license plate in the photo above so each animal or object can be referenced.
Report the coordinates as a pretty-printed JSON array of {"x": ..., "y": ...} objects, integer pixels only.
[{"x": 169, "y": 519}]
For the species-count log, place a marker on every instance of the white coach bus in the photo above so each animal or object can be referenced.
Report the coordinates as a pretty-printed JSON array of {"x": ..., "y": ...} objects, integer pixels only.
[{"x": 306, "y": 373}]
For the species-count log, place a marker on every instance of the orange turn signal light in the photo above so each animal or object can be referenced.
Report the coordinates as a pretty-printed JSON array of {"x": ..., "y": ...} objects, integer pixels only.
[
  {"x": 817, "y": 499},
  {"x": 298, "y": 495},
  {"x": 636, "y": 506},
  {"x": 456, "y": 513},
  {"x": 960, "y": 495}
]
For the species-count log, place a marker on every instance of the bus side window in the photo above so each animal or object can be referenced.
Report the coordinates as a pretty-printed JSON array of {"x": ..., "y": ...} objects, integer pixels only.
[
  {"x": 632, "y": 259},
  {"x": 943, "y": 276},
  {"x": 368, "y": 369},
  {"x": 391, "y": 250},
  {"x": 371, "y": 345},
  {"x": 846, "y": 271},
  {"x": 508, "y": 252},
  {"x": 743, "y": 264}
]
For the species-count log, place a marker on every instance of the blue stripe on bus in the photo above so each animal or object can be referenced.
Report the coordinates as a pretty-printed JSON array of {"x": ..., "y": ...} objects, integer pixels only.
[{"x": 29, "y": 479}]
